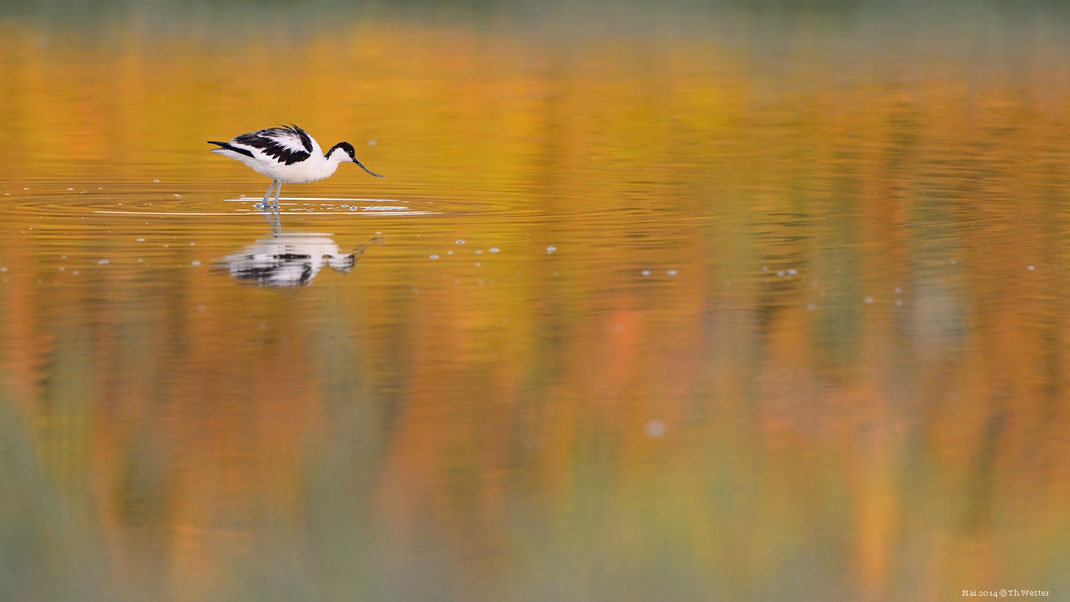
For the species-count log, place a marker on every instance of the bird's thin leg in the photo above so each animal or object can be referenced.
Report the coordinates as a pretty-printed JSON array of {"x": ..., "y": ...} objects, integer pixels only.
[
  {"x": 278, "y": 191},
  {"x": 268, "y": 195}
]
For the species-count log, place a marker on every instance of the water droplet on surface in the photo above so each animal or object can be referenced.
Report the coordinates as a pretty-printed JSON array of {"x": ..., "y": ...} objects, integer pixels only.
[
  {"x": 656, "y": 428},
  {"x": 156, "y": 181},
  {"x": 460, "y": 241},
  {"x": 793, "y": 271},
  {"x": 434, "y": 256},
  {"x": 646, "y": 272},
  {"x": 671, "y": 272},
  {"x": 1031, "y": 268},
  {"x": 869, "y": 299},
  {"x": 103, "y": 262},
  {"x": 195, "y": 262},
  {"x": 494, "y": 249},
  {"x": 551, "y": 249}
]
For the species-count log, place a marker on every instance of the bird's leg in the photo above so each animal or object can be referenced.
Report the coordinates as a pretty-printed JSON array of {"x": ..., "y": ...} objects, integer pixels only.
[
  {"x": 278, "y": 191},
  {"x": 268, "y": 195}
]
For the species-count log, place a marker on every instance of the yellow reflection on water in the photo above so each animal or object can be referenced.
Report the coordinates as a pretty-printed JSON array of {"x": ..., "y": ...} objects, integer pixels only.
[{"x": 651, "y": 316}]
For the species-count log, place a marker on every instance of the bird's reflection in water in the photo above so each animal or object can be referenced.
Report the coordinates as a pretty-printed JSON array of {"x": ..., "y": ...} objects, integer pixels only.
[{"x": 288, "y": 259}]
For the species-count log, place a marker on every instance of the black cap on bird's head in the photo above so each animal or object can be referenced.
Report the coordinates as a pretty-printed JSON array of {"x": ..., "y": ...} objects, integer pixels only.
[{"x": 348, "y": 149}]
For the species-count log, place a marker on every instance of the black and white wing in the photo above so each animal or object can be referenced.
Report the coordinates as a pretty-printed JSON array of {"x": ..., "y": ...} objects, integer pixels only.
[{"x": 285, "y": 145}]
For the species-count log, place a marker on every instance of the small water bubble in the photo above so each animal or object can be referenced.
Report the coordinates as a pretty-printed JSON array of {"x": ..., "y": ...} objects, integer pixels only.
[
  {"x": 811, "y": 306},
  {"x": 200, "y": 309},
  {"x": 494, "y": 249},
  {"x": 780, "y": 273},
  {"x": 195, "y": 262},
  {"x": 3, "y": 269},
  {"x": 550, "y": 250},
  {"x": 792, "y": 271},
  {"x": 140, "y": 260},
  {"x": 434, "y": 256},
  {"x": 869, "y": 299},
  {"x": 193, "y": 244},
  {"x": 460, "y": 241},
  {"x": 479, "y": 251},
  {"x": 1031, "y": 268},
  {"x": 70, "y": 189},
  {"x": 479, "y": 264},
  {"x": 646, "y": 272},
  {"x": 449, "y": 252},
  {"x": 656, "y": 428},
  {"x": 103, "y": 262},
  {"x": 373, "y": 142},
  {"x": 177, "y": 196},
  {"x": 75, "y": 272},
  {"x": 62, "y": 269},
  {"x": 898, "y": 290},
  {"x": 899, "y": 303},
  {"x": 156, "y": 181},
  {"x": 141, "y": 240}
]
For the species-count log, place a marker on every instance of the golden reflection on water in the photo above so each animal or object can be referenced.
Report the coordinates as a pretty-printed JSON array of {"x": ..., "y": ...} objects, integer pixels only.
[{"x": 651, "y": 317}]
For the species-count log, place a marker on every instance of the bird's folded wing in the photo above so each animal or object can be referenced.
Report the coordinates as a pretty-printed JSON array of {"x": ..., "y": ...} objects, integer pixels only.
[{"x": 283, "y": 145}]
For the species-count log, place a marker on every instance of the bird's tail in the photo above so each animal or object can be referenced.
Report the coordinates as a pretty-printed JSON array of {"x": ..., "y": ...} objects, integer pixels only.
[{"x": 226, "y": 146}]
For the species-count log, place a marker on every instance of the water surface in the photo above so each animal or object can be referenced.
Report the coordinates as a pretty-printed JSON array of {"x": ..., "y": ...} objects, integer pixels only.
[{"x": 748, "y": 304}]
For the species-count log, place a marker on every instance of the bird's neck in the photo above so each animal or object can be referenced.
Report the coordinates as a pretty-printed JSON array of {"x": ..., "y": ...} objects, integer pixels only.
[{"x": 328, "y": 167}]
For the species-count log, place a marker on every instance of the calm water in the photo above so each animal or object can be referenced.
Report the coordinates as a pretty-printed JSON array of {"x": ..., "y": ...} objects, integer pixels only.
[{"x": 761, "y": 304}]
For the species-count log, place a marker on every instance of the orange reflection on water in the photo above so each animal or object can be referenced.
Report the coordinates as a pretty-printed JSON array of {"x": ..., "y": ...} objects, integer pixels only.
[{"x": 801, "y": 328}]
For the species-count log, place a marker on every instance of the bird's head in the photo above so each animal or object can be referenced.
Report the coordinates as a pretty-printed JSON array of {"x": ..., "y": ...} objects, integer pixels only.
[{"x": 343, "y": 152}]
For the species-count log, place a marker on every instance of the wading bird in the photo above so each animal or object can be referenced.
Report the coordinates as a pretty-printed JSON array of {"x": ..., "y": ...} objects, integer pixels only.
[{"x": 287, "y": 154}]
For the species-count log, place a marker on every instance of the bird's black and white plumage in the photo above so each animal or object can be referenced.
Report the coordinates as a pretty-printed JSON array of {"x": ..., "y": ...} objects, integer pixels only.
[{"x": 287, "y": 155}]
